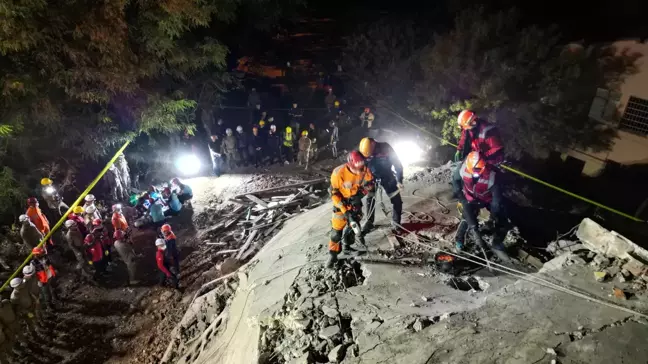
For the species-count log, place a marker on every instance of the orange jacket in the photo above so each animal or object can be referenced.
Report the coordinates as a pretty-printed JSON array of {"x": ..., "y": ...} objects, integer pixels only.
[
  {"x": 37, "y": 218},
  {"x": 345, "y": 184},
  {"x": 119, "y": 222}
]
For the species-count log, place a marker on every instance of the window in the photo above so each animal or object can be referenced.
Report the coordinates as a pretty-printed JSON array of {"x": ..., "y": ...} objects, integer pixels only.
[
  {"x": 635, "y": 116},
  {"x": 604, "y": 105}
]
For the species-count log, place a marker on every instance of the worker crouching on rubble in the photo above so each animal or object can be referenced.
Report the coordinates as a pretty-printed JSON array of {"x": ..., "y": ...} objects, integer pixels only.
[
  {"x": 480, "y": 189},
  {"x": 166, "y": 265},
  {"x": 349, "y": 183}
]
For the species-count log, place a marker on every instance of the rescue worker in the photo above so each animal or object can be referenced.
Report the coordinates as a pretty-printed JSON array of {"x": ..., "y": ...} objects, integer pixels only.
[
  {"x": 45, "y": 273},
  {"x": 74, "y": 238},
  {"x": 313, "y": 134},
  {"x": 230, "y": 149},
  {"x": 77, "y": 216},
  {"x": 51, "y": 196},
  {"x": 175, "y": 206},
  {"x": 185, "y": 193},
  {"x": 90, "y": 207},
  {"x": 262, "y": 127},
  {"x": 37, "y": 217},
  {"x": 219, "y": 130},
  {"x": 295, "y": 114},
  {"x": 118, "y": 219},
  {"x": 96, "y": 255},
  {"x": 476, "y": 135},
  {"x": 330, "y": 99},
  {"x": 480, "y": 189},
  {"x": 29, "y": 233},
  {"x": 288, "y": 143},
  {"x": 171, "y": 246},
  {"x": 29, "y": 276},
  {"x": 9, "y": 318},
  {"x": 24, "y": 303},
  {"x": 242, "y": 145},
  {"x": 101, "y": 235},
  {"x": 381, "y": 158},
  {"x": 165, "y": 265},
  {"x": 124, "y": 174},
  {"x": 114, "y": 183},
  {"x": 156, "y": 211},
  {"x": 335, "y": 138},
  {"x": 349, "y": 183},
  {"x": 367, "y": 117},
  {"x": 256, "y": 147},
  {"x": 304, "y": 148},
  {"x": 271, "y": 120},
  {"x": 215, "y": 153},
  {"x": 127, "y": 254},
  {"x": 274, "y": 145}
]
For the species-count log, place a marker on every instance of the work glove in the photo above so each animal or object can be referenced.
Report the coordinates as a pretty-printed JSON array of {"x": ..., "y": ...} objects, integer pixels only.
[{"x": 458, "y": 156}]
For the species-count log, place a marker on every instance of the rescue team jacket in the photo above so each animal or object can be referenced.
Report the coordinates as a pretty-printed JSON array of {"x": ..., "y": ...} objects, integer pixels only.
[
  {"x": 44, "y": 270},
  {"x": 382, "y": 160},
  {"x": 119, "y": 221},
  {"x": 162, "y": 262},
  {"x": 478, "y": 189},
  {"x": 37, "y": 218},
  {"x": 288, "y": 139},
  {"x": 346, "y": 184},
  {"x": 483, "y": 138},
  {"x": 95, "y": 252}
]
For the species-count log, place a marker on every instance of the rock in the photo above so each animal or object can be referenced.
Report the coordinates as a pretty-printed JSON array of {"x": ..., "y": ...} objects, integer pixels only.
[
  {"x": 600, "y": 262},
  {"x": 306, "y": 358},
  {"x": 330, "y": 312},
  {"x": 306, "y": 306},
  {"x": 600, "y": 276},
  {"x": 560, "y": 261},
  {"x": 166, "y": 295},
  {"x": 446, "y": 316},
  {"x": 229, "y": 265},
  {"x": 613, "y": 270},
  {"x": 418, "y": 325},
  {"x": 551, "y": 351},
  {"x": 329, "y": 332},
  {"x": 297, "y": 323},
  {"x": 337, "y": 354},
  {"x": 598, "y": 239},
  {"x": 619, "y": 293},
  {"x": 636, "y": 267},
  {"x": 155, "y": 301}
]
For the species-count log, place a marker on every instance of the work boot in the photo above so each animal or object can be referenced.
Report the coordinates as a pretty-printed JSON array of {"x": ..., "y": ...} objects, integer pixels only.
[{"x": 330, "y": 263}]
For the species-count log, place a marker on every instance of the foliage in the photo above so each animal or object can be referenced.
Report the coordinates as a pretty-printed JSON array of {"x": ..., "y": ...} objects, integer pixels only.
[
  {"x": 12, "y": 192},
  {"x": 523, "y": 79}
]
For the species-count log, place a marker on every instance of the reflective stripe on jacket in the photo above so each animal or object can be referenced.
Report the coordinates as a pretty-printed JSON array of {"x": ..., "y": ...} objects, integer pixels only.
[{"x": 478, "y": 189}]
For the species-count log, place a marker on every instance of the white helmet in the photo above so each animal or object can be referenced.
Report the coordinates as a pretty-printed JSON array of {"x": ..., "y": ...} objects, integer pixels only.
[
  {"x": 239, "y": 129},
  {"x": 89, "y": 198},
  {"x": 273, "y": 127},
  {"x": 160, "y": 243},
  {"x": 23, "y": 218},
  {"x": 69, "y": 223},
  {"x": 117, "y": 207},
  {"x": 228, "y": 131},
  {"x": 270, "y": 119},
  {"x": 91, "y": 209},
  {"x": 28, "y": 270},
  {"x": 15, "y": 282}
]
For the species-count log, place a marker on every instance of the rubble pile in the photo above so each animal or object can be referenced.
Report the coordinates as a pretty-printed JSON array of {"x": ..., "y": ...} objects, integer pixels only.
[
  {"x": 242, "y": 231},
  {"x": 442, "y": 174},
  {"x": 309, "y": 327}
]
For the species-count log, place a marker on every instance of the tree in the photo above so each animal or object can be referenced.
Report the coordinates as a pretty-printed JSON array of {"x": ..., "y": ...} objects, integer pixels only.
[{"x": 523, "y": 78}]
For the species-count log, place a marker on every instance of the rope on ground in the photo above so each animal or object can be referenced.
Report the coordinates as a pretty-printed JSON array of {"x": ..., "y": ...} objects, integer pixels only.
[
  {"x": 525, "y": 175},
  {"x": 521, "y": 275},
  {"x": 64, "y": 217}
]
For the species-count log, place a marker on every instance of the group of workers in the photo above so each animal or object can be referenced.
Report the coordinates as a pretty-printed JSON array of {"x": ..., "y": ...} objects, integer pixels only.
[{"x": 376, "y": 164}]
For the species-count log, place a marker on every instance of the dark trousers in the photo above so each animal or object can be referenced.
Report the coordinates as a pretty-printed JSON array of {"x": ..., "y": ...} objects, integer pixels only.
[
  {"x": 217, "y": 165},
  {"x": 172, "y": 280},
  {"x": 497, "y": 217},
  {"x": 172, "y": 248},
  {"x": 243, "y": 153},
  {"x": 287, "y": 153},
  {"x": 390, "y": 186}
]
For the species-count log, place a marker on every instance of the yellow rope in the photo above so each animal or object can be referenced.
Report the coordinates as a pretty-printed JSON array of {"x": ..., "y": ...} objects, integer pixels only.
[
  {"x": 525, "y": 175},
  {"x": 64, "y": 217}
]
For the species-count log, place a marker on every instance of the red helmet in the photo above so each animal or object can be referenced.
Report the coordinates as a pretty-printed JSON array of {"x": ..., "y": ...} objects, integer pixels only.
[
  {"x": 175, "y": 181},
  {"x": 467, "y": 119},
  {"x": 165, "y": 228},
  {"x": 32, "y": 201},
  {"x": 89, "y": 239},
  {"x": 366, "y": 110},
  {"x": 38, "y": 251},
  {"x": 355, "y": 160},
  {"x": 118, "y": 235},
  {"x": 96, "y": 222}
]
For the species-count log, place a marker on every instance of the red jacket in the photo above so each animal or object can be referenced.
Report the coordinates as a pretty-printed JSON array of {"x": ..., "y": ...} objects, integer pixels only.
[
  {"x": 162, "y": 262},
  {"x": 38, "y": 218},
  {"x": 80, "y": 223},
  {"x": 478, "y": 189},
  {"x": 484, "y": 139},
  {"x": 44, "y": 270},
  {"x": 95, "y": 252}
]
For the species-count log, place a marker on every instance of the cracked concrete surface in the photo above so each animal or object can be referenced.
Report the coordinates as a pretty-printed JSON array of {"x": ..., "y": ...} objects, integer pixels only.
[{"x": 511, "y": 321}]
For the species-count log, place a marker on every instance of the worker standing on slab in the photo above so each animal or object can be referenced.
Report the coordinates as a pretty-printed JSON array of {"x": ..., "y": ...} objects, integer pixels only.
[
  {"x": 304, "y": 148},
  {"x": 335, "y": 138},
  {"x": 381, "y": 160},
  {"x": 37, "y": 217},
  {"x": 242, "y": 142},
  {"x": 165, "y": 265},
  {"x": 118, "y": 219},
  {"x": 350, "y": 182},
  {"x": 288, "y": 141},
  {"x": 477, "y": 135},
  {"x": 74, "y": 238},
  {"x": 230, "y": 149},
  {"x": 52, "y": 197},
  {"x": 215, "y": 153},
  {"x": 96, "y": 255},
  {"x": 24, "y": 303},
  {"x": 274, "y": 146},
  {"x": 367, "y": 118},
  {"x": 45, "y": 273},
  {"x": 480, "y": 189},
  {"x": 127, "y": 255},
  {"x": 30, "y": 235},
  {"x": 256, "y": 147},
  {"x": 171, "y": 246}
]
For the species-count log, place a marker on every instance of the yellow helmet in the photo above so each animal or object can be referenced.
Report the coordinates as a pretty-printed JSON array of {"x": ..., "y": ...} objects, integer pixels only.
[
  {"x": 288, "y": 129},
  {"x": 336, "y": 103},
  {"x": 46, "y": 181},
  {"x": 367, "y": 146},
  {"x": 304, "y": 132},
  {"x": 78, "y": 210},
  {"x": 261, "y": 123}
]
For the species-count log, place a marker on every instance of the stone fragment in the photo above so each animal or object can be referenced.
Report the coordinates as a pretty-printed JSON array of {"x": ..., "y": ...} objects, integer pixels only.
[
  {"x": 330, "y": 312},
  {"x": 613, "y": 270},
  {"x": 636, "y": 267},
  {"x": 329, "y": 332},
  {"x": 418, "y": 325},
  {"x": 306, "y": 358},
  {"x": 619, "y": 293},
  {"x": 337, "y": 354},
  {"x": 166, "y": 295},
  {"x": 598, "y": 239},
  {"x": 551, "y": 351},
  {"x": 600, "y": 276},
  {"x": 600, "y": 262}
]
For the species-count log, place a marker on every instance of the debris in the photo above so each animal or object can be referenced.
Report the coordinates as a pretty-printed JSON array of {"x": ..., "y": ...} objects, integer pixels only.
[
  {"x": 337, "y": 354},
  {"x": 551, "y": 351},
  {"x": 600, "y": 276},
  {"x": 330, "y": 312},
  {"x": 418, "y": 325},
  {"x": 329, "y": 332},
  {"x": 598, "y": 239},
  {"x": 600, "y": 262},
  {"x": 635, "y": 267},
  {"x": 393, "y": 241},
  {"x": 619, "y": 293},
  {"x": 564, "y": 246},
  {"x": 530, "y": 259}
]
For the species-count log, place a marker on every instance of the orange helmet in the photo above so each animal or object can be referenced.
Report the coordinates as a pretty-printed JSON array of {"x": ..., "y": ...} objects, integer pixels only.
[
  {"x": 475, "y": 164},
  {"x": 367, "y": 146},
  {"x": 467, "y": 119},
  {"x": 38, "y": 251},
  {"x": 165, "y": 228}
]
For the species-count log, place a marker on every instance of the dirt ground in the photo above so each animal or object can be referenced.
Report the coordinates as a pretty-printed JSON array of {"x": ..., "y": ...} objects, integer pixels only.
[{"x": 111, "y": 322}]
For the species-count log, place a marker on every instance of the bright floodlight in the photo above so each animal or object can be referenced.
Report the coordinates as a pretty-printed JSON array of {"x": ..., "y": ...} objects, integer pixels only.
[
  {"x": 408, "y": 152},
  {"x": 188, "y": 164},
  {"x": 49, "y": 190}
]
